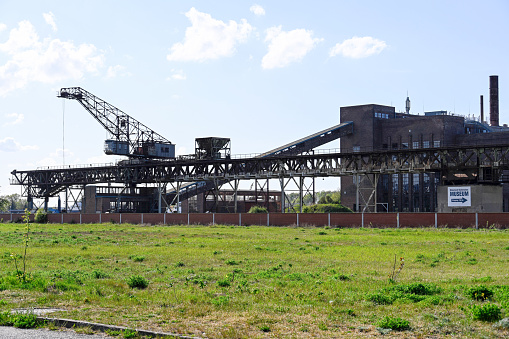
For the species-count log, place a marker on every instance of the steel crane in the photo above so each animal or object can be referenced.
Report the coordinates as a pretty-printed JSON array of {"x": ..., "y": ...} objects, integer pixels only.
[{"x": 127, "y": 136}]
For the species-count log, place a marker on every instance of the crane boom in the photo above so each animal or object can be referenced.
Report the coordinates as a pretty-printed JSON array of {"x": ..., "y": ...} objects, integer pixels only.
[{"x": 127, "y": 136}]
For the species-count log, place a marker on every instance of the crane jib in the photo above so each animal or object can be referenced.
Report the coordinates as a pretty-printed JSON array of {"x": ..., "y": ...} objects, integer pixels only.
[{"x": 127, "y": 136}]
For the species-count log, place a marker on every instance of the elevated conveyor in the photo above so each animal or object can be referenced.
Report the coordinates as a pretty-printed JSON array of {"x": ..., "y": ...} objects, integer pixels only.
[
  {"x": 299, "y": 146},
  {"x": 311, "y": 141}
]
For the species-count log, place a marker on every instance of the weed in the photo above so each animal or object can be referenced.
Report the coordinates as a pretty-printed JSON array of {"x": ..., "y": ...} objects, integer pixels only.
[
  {"x": 396, "y": 324},
  {"x": 128, "y": 334},
  {"x": 480, "y": 293},
  {"x": 23, "y": 276},
  {"x": 99, "y": 274},
  {"x": 265, "y": 328},
  {"x": 137, "y": 258},
  {"x": 113, "y": 333},
  {"x": 179, "y": 264},
  {"x": 488, "y": 312},
  {"x": 395, "y": 272},
  {"x": 137, "y": 281},
  {"x": 223, "y": 283},
  {"x": 19, "y": 320}
]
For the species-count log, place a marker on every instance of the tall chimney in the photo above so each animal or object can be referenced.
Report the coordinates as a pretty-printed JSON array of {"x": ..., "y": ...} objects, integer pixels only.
[
  {"x": 494, "y": 100},
  {"x": 482, "y": 109}
]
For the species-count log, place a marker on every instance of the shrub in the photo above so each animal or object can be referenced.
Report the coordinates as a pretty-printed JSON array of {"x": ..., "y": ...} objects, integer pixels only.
[
  {"x": 418, "y": 288},
  {"x": 137, "y": 281},
  {"x": 223, "y": 283},
  {"x": 396, "y": 324},
  {"x": 326, "y": 208},
  {"x": 41, "y": 217},
  {"x": 258, "y": 209},
  {"x": 487, "y": 312},
  {"x": 480, "y": 293},
  {"x": 28, "y": 320},
  {"x": 137, "y": 258}
]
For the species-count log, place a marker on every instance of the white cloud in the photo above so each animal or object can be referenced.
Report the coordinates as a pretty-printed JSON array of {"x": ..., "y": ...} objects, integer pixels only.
[
  {"x": 16, "y": 119},
  {"x": 8, "y": 144},
  {"x": 177, "y": 74},
  {"x": 287, "y": 47},
  {"x": 46, "y": 61},
  {"x": 3, "y": 27},
  {"x": 208, "y": 38},
  {"x": 358, "y": 47},
  {"x": 257, "y": 9},
  {"x": 115, "y": 71},
  {"x": 50, "y": 20}
]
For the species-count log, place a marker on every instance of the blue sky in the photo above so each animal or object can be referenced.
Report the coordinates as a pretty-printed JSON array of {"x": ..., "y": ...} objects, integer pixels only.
[{"x": 262, "y": 73}]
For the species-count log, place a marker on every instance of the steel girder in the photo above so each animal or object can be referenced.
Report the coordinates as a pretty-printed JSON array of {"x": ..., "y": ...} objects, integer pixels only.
[{"x": 49, "y": 182}]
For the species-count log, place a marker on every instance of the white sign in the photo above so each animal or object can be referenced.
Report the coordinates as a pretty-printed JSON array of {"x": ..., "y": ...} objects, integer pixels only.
[{"x": 459, "y": 196}]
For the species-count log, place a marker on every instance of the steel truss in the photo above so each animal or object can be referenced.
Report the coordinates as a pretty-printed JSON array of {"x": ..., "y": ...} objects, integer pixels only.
[{"x": 481, "y": 164}]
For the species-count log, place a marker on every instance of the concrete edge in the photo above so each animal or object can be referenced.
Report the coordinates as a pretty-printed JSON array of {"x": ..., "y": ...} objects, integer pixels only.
[{"x": 70, "y": 323}]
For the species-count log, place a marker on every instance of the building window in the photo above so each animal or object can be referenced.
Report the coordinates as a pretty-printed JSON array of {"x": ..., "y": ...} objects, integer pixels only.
[
  {"x": 381, "y": 115},
  {"x": 385, "y": 146},
  {"x": 357, "y": 148},
  {"x": 415, "y": 144},
  {"x": 395, "y": 145},
  {"x": 404, "y": 145},
  {"x": 425, "y": 144},
  {"x": 436, "y": 143}
]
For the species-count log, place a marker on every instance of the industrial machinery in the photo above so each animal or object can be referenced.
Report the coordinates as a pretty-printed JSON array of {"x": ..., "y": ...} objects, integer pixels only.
[{"x": 127, "y": 136}]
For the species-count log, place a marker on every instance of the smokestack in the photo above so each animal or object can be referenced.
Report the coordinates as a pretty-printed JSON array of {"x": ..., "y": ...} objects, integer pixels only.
[
  {"x": 482, "y": 109},
  {"x": 494, "y": 100}
]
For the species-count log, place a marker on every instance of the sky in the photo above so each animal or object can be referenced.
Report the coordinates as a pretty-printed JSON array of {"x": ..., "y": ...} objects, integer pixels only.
[{"x": 262, "y": 73}]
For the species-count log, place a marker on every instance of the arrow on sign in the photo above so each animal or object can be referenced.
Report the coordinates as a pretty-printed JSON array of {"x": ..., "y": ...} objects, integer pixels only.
[{"x": 462, "y": 200}]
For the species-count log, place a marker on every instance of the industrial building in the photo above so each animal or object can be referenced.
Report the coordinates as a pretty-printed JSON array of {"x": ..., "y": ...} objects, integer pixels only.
[
  {"x": 388, "y": 162},
  {"x": 379, "y": 128}
]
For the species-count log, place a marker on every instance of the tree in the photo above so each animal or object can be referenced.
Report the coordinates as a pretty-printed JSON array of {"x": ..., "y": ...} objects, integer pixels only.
[{"x": 4, "y": 204}]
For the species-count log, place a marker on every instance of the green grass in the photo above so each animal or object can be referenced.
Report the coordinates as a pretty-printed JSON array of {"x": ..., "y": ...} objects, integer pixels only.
[{"x": 257, "y": 282}]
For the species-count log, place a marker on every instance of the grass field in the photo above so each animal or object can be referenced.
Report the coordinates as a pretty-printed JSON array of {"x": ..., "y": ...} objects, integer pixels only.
[{"x": 259, "y": 282}]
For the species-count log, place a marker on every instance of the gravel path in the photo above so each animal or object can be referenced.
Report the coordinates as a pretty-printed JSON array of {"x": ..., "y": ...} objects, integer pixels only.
[{"x": 16, "y": 333}]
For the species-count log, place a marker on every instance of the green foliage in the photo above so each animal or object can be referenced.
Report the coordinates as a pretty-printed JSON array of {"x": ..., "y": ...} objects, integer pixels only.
[
  {"x": 265, "y": 328},
  {"x": 488, "y": 312},
  {"x": 41, "y": 216},
  {"x": 137, "y": 281},
  {"x": 19, "y": 320},
  {"x": 414, "y": 292},
  {"x": 258, "y": 209},
  {"x": 129, "y": 334},
  {"x": 137, "y": 258},
  {"x": 326, "y": 208},
  {"x": 12, "y": 201},
  {"x": 396, "y": 324},
  {"x": 23, "y": 275},
  {"x": 480, "y": 293},
  {"x": 223, "y": 283}
]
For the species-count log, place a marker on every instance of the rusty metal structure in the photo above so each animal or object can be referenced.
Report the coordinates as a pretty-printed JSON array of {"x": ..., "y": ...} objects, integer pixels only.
[{"x": 379, "y": 149}]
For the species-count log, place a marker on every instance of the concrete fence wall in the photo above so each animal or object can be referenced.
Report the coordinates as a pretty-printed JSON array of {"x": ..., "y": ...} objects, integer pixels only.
[{"x": 379, "y": 220}]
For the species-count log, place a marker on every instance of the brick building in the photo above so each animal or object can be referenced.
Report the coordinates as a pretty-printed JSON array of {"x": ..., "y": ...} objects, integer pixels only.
[{"x": 379, "y": 128}]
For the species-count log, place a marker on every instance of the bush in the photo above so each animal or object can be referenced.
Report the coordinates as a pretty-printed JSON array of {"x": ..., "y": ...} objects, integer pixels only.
[
  {"x": 396, "y": 324},
  {"x": 418, "y": 288},
  {"x": 480, "y": 293},
  {"x": 137, "y": 281},
  {"x": 41, "y": 217},
  {"x": 488, "y": 312},
  {"x": 28, "y": 320},
  {"x": 258, "y": 209},
  {"x": 326, "y": 208}
]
